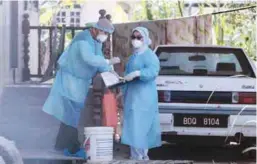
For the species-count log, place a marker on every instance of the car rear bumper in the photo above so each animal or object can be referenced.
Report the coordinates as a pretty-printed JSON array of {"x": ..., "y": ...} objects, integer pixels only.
[
  {"x": 242, "y": 124},
  {"x": 207, "y": 140}
]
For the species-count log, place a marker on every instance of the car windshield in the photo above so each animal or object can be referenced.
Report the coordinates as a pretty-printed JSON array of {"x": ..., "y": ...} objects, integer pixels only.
[{"x": 203, "y": 62}]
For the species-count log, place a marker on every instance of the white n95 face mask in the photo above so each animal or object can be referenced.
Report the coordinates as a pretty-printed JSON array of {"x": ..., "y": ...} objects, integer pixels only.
[
  {"x": 101, "y": 37},
  {"x": 137, "y": 43}
]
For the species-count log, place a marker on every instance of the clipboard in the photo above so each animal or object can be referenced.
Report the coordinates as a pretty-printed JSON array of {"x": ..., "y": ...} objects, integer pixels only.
[{"x": 112, "y": 79}]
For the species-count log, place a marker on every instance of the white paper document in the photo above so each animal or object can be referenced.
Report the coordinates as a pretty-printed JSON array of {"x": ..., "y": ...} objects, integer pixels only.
[{"x": 111, "y": 78}]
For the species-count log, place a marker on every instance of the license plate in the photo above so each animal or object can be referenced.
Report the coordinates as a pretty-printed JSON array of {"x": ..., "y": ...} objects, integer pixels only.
[{"x": 201, "y": 120}]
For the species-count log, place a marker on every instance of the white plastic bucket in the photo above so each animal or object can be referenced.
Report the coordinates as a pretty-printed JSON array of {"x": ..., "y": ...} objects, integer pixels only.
[{"x": 98, "y": 143}]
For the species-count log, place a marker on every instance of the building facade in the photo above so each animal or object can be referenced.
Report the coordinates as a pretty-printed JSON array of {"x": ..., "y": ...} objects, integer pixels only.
[{"x": 70, "y": 16}]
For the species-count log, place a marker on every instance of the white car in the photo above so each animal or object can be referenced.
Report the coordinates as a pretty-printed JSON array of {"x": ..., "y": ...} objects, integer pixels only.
[{"x": 207, "y": 95}]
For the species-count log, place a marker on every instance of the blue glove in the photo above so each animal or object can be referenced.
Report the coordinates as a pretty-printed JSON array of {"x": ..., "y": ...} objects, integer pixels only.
[{"x": 81, "y": 153}]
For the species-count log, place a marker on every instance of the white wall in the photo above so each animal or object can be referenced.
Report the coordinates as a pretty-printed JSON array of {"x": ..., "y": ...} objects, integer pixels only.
[
  {"x": 5, "y": 72},
  {"x": 32, "y": 39}
]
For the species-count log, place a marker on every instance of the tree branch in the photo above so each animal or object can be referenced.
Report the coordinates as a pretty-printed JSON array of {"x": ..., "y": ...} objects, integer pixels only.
[{"x": 180, "y": 8}]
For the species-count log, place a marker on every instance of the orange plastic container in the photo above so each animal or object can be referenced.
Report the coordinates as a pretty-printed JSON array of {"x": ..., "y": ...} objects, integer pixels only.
[{"x": 109, "y": 106}]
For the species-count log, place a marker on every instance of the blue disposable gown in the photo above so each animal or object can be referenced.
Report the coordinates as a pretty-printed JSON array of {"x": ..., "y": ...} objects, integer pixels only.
[
  {"x": 141, "y": 124},
  {"x": 78, "y": 64}
]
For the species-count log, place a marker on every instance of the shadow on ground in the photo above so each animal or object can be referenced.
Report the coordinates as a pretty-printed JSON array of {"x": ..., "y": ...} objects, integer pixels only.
[{"x": 217, "y": 154}]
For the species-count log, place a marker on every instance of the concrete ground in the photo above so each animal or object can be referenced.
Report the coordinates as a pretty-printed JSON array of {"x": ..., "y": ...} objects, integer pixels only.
[{"x": 34, "y": 132}]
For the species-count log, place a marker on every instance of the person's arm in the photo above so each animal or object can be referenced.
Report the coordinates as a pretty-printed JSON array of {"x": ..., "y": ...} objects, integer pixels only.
[
  {"x": 152, "y": 68},
  {"x": 105, "y": 69},
  {"x": 90, "y": 58}
]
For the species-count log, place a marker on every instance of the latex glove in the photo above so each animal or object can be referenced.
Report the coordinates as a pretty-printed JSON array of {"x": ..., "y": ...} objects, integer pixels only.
[
  {"x": 132, "y": 75},
  {"x": 113, "y": 61}
]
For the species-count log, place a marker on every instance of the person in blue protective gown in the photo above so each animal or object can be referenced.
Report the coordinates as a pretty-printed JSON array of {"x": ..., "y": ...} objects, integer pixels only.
[
  {"x": 77, "y": 65},
  {"x": 141, "y": 124}
]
